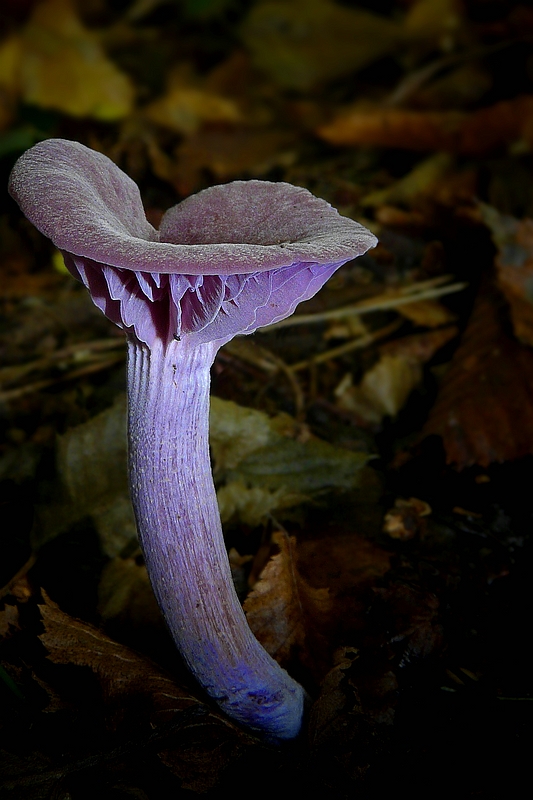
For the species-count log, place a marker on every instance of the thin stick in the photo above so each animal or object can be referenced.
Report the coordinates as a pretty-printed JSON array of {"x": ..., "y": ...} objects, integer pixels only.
[
  {"x": 382, "y": 302},
  {"x": 355, "y": 344},
  {"x": 17, "y": 371},
  {"x": 31, "y": 388}
]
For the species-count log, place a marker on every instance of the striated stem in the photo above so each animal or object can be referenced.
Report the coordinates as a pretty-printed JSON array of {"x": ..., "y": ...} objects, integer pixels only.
[{"x": 181, "y": 535}]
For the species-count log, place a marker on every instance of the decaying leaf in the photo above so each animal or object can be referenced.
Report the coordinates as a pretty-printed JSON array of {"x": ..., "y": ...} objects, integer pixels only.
[
  {"x": 427, "y": 313},
  {"x": 253, "y": 504},
  {"x": 227, "y": 153},
  {"x": 349, "y": 565},
  {"x": 57, "y": 63},
  {"x": 386, "y": 386},
  {"x": 121, "y": 672},
  {"x": 484, "y": 409},
  {"x": 475, "y": 134},
  {"x": 420, "y": 346},
  {"x": 92, "y": 474},
  {"x": 514, "y": 265},
  {"x": 283, "y": 610},
  {"x": 262, "y": 465},
  {"x": 422, "y": 180},
  {"x": 305, "y": 42},
  {"x": 383, "y": 391},
  {"x": 186, "y": 107},
  {"x": 137, "y": 695},
  {"x": 261, "y": 453},
  {"x": 236, "y": 433}
]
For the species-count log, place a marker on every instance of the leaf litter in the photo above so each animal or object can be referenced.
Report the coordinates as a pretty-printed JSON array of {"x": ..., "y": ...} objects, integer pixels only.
[{"x": 370, "y": 454}]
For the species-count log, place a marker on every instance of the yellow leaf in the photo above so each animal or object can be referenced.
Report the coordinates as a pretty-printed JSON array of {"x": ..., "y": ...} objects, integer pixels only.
[
  {"x": 434, "y": 22},
  {"x": 427, "y": 313},
  {"x": 10, "y": 60},
  {"x": 422, "y": 180},
  {"x": 387, "y": 385},
  {"x": 185, "y": 108},
  {"x": 64, "y": 67}
]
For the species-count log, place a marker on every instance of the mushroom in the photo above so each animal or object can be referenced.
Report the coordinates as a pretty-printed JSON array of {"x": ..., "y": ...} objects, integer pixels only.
[{"x": 225, "y": 261}]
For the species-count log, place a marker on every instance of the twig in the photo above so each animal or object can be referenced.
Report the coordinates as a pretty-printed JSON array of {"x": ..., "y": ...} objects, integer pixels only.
[
  {"x": 267, "y": 361},
  {"x": 299, "y": 399},
  {"x": 31, "y": 388},
  {"x": 383, "y": 302},
  {"x": 16, "y": 372},
  {"x": 18, "y": 575},
  {"x": 355, "y": 344}
]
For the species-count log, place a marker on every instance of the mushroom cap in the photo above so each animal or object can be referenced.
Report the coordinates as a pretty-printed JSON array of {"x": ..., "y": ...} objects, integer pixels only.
[{"x": 224, "y": 261}]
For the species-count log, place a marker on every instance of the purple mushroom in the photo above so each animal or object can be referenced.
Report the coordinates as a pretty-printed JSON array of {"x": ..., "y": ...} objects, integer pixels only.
[{"x": 224, "y": 262}]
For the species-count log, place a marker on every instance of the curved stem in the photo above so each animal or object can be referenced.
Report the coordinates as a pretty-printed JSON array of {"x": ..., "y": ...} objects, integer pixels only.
[{"x": 181, "y": 535}]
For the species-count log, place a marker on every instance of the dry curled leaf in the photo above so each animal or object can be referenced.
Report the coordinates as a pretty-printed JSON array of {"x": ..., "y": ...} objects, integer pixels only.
[
  {"x": 283, "y": 610},
  {"x": 484, "y": 409}
]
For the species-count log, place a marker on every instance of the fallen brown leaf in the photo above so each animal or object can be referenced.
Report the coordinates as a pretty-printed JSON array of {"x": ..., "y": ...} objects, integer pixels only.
[
  {"x": 137, "y": 693},
  {"x": 427, "y": 313},
  {"x": 474, "y": 134},
  {"x": 284, "y": 611},
  {"x": 349, "y": 565},
  {"x": 386, "y": 386},
  {"x": 229, "y": 152},
  {"x": 421, "y": 346},
  {"x": 484, "y": 409}
]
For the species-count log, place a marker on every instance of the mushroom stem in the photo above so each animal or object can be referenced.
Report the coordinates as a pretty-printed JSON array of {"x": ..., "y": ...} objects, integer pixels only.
[{"x": 181, "y": 535}]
